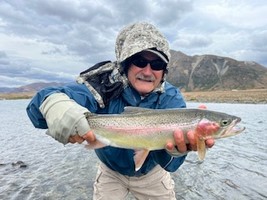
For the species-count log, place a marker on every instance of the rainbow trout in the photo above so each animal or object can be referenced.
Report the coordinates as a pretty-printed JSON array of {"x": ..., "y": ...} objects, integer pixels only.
[{"x": 145, "y": 129}]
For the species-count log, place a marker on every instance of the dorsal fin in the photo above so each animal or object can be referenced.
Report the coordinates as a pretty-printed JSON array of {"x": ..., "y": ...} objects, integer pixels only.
[
  {"x": 89, "y": 114},
  {"x": 135, "y": 110}
]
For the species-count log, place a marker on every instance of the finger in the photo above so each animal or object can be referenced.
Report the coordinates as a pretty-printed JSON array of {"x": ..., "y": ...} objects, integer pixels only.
[
  {"x": 79, "y": 139},
  {"x": 71, "y": 140},
  {"x": 210, "y": 143},
  {"x": 192, "y": 140},
  {"x": 76, "y": 138},
  {"x": 180, "y": 141},
  {"x": 89, "y": 136},
  {"x": 169, "y": 146}
]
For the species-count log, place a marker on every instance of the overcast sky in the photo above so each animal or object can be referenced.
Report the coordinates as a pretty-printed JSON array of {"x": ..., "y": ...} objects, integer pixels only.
[{"x": 54, "y": 40}]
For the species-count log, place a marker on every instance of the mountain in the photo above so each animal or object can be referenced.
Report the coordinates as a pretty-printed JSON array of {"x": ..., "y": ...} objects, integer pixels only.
[
  {"x": 30, "y": 87},
  {"x": 195, "y": 73},
  {"x": 211, "y": 72}
]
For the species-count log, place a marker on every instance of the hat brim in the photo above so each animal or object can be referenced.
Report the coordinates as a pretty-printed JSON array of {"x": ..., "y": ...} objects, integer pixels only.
[{"x": 162, "y": 57}]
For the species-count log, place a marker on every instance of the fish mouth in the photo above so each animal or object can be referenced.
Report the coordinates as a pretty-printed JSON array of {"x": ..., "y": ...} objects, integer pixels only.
[{"x": 232, "y": 129}]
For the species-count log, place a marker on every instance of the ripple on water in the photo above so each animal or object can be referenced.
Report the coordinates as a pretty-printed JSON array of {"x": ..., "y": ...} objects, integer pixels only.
[{"x": 235, "y": 168}]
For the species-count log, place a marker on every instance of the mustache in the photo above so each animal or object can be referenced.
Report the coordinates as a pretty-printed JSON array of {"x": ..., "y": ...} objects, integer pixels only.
[{"x": 145, "y": 78}]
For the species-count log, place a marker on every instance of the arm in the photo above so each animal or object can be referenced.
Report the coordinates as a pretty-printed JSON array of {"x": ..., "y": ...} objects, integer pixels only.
[
  {"x": 64, "y": 117},
  {"x": 181, "y": 143},
  {"x": 61, "y": 110},
  {"x": 174, "y": 99}
]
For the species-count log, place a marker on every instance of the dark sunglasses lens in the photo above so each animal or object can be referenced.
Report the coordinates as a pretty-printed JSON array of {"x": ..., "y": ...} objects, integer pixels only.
[
  {"x": 139, "y": 62},
  {"x": 158, "y": 65},
  {"x": 155, "y": 64}
]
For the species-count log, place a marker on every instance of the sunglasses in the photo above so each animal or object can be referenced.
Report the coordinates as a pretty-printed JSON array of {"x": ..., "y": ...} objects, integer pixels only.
[{"x": 141, "y": 62}]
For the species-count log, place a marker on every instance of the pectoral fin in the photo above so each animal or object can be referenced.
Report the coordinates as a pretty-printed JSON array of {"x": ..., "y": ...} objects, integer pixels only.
[
  {"x": 140, "y": 157},
  {"x": 100, "y": 142},
  {"x": 201, "y": 149},
  {"x": 95, "y": 145}
]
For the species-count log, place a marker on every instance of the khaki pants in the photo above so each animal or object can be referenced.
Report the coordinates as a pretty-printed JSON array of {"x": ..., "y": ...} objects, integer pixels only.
[{"x": 157, "y": 184}]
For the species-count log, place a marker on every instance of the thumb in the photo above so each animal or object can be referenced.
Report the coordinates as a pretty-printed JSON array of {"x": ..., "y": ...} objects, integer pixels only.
[{"x": 89, "y": 136}]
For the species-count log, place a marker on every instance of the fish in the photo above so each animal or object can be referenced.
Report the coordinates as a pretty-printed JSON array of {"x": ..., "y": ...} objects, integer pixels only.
[{"x": 145, "y": 130}]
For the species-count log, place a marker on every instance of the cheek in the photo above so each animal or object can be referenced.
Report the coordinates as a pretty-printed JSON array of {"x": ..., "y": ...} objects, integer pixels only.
[
  {"x": 158, "y": 75},
  {"x": 133, "y": 71}
]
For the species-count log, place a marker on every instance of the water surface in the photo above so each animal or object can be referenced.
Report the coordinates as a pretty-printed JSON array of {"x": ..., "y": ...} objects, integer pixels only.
[{"x": 235, "y": 168}]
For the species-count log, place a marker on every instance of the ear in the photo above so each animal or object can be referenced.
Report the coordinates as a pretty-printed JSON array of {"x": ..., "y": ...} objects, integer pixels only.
[
  {"x": 124, "y": 66},
  {"x": 165, "y": 72}
]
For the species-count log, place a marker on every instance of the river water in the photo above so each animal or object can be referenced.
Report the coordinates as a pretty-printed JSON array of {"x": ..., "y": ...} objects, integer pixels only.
[{"x": 235, "y": 168}]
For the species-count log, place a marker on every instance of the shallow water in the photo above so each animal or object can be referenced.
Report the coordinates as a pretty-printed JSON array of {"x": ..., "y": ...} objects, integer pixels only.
[{"x": 235, "y": 168}]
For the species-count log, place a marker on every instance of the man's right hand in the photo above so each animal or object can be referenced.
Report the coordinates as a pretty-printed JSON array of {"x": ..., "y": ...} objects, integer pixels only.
[
  {"x": 89, "y": 137},
  {"x": 66, "y": 119}
]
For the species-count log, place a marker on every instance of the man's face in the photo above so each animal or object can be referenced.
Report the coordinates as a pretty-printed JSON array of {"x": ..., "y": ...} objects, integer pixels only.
[{"x": 145, "y": 79}]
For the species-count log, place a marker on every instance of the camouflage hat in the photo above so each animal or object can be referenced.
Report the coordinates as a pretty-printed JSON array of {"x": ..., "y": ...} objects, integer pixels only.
[{"x": 140, "y": 37}]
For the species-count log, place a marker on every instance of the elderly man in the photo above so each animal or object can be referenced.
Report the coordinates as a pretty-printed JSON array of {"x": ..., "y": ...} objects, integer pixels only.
[{"x": 136, "y": 78}]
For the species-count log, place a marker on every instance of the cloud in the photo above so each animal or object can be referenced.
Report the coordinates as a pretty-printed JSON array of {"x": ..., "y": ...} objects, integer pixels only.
[
  {"x": 187, "y": 41},
  {"x": 54, "y": 40},
  {"x": 15, "y": 74},
  {"x": 234, "y": 29},
  {"x": 3, "y": 59}
]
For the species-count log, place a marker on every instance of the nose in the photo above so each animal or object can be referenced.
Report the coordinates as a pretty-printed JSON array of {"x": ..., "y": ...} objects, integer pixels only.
[{"x": 147, "y": 69}]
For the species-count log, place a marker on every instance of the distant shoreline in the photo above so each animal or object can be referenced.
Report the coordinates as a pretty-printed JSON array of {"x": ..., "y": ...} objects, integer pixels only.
[
  {"x": 253, "y": 96},
  {"x": 14, "y": 96}
]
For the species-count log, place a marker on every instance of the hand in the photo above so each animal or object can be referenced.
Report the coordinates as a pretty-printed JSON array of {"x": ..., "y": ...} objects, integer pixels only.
[
  {"x": 209, "y": 142},
  {"x": 185, "y": 144},
  {"x": 89, "y": 137},
  {"x": 189, "y": 142},
  {"x": 65, "y": 118}
]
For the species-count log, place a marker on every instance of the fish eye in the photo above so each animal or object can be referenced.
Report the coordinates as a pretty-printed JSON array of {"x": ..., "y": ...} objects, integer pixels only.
[{"x": 225, "y": 122}]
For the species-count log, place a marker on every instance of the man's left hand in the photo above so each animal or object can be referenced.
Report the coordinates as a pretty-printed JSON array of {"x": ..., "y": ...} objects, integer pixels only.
[
  {"x": 188, "y": 143},
  {"x": 184, "y": 144}
]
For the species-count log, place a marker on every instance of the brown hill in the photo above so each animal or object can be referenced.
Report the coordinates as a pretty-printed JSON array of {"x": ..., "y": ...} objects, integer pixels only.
[
  {"x": 35, "y": 87},
  {"x": 26, "y": 91},
  {"x": 210, "y": 72},
  {"x": 228, "y": 80}
]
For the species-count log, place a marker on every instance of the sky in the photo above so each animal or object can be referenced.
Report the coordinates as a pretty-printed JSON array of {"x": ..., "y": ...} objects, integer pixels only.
[{"x": 54, "y": 40}]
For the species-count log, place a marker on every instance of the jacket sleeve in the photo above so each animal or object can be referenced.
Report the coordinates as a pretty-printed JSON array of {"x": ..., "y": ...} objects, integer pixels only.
[
  {"x": 172, "y": 98},
  {"x": 77, "y": 92}
]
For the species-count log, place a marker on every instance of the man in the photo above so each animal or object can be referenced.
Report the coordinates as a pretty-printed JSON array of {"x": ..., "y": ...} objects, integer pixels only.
[{"x": 136, "y": 78}]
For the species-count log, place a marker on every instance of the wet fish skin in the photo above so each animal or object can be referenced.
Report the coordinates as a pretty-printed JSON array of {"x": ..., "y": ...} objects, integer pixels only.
[{"x": 150, "y": 129}]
